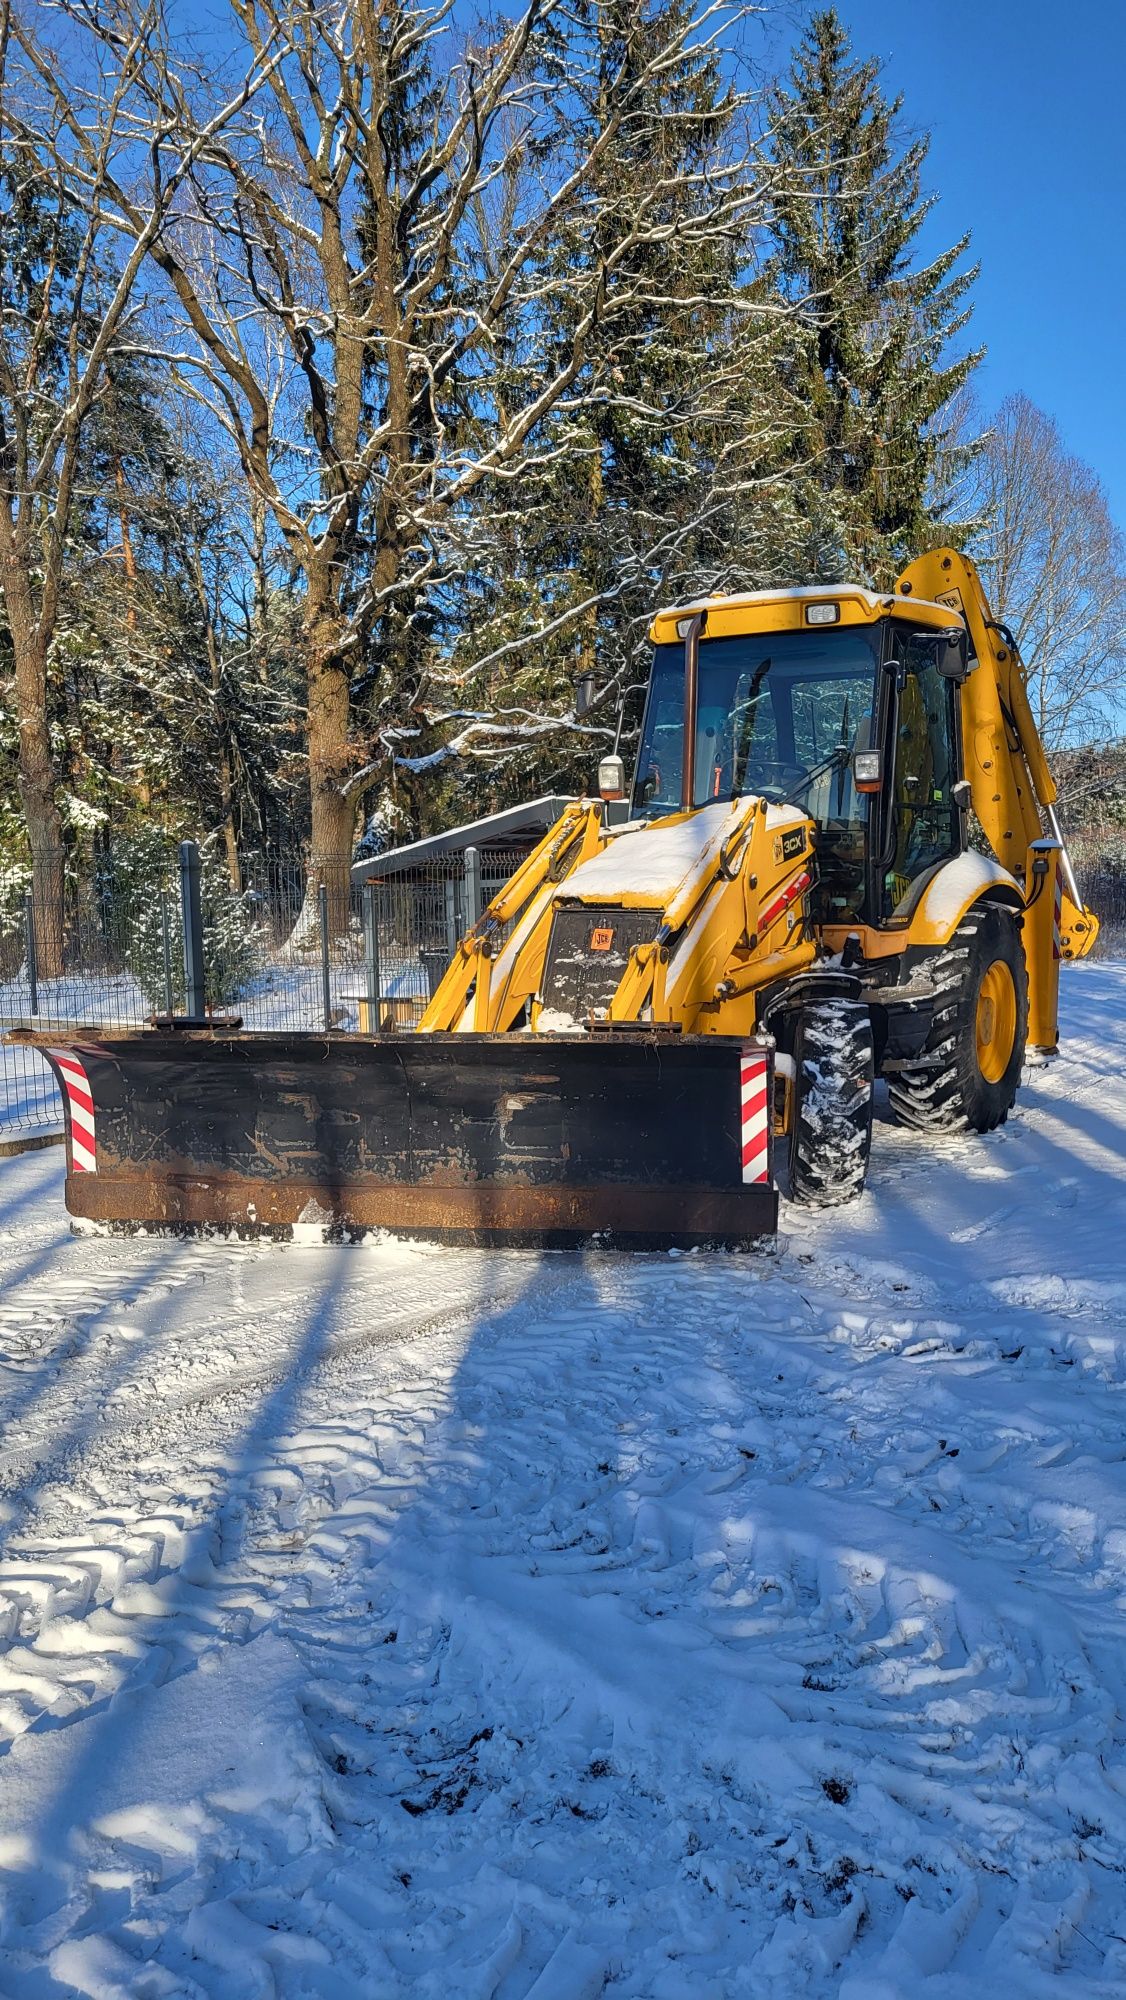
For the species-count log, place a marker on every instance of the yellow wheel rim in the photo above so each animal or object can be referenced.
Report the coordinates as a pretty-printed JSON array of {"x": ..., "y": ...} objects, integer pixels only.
[{"x": 996, "y": 1025}]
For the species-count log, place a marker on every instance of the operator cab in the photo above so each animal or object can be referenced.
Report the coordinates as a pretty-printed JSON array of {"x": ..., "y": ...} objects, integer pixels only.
[{"x": 781, "y": 715}]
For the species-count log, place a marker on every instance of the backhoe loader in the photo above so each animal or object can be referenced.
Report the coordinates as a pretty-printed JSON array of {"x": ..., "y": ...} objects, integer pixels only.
[{"x": 839, "y": 859}]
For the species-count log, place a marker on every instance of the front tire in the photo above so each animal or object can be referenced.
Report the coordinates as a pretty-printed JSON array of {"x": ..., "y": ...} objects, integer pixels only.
[
  {"x": 965, "y": 1078},
  {"x": 831, "y": 1127}
]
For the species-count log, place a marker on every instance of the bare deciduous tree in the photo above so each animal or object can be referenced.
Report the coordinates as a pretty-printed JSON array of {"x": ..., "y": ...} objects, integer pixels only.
[
  {"x": 1055, "y": 566},
  {"x": 387, "y": 213},
  {"x": 71, "y": 258}
]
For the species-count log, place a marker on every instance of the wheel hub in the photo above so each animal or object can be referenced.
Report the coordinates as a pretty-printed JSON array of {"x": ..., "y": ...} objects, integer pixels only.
[{"x": 996, "y": 1022}]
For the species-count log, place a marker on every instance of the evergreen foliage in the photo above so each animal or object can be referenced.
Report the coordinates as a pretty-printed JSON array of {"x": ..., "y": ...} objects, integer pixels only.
[
  {"x": 146, "y": 897},
  {"x": 658, "y": 469},
  {"x": 874, "y": 369}
]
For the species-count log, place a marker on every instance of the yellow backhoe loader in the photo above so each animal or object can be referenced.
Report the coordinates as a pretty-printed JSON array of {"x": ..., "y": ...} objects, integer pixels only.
[{"x": 839, "y": 859}]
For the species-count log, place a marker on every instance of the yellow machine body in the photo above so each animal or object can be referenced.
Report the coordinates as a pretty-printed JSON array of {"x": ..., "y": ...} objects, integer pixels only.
[{"x": 730, "y": 885}]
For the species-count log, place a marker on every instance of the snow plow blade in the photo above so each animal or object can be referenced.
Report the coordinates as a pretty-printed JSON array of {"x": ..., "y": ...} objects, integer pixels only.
[{"x": 489, "y": 1139}]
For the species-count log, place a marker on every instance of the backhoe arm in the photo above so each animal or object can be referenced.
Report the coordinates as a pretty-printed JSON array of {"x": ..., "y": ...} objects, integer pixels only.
[{"x": 1014, "y": 793}]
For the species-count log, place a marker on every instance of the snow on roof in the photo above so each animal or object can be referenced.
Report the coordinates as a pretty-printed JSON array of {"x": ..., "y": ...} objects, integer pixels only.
[
  {"x": 873, "y": 600},
  {"x": 533, "y": 817}
]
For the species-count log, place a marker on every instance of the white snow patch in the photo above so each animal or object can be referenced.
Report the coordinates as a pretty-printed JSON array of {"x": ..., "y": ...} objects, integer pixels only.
[
  {"x": 654, "y": 860},
  {"x": 554, "y": 1021}
]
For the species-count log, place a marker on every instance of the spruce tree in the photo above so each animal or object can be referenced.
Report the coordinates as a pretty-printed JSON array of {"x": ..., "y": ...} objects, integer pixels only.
[{"x": 874, "y": 369}]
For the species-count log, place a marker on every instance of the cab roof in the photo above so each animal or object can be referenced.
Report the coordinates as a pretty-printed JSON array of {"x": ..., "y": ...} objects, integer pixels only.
[{"x": 781, "y": 610}]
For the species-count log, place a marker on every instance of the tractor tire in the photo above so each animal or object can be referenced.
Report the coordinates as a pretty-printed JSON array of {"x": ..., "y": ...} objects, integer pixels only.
[
  {"x": 831, "y": 1126},
  {"x": 966, "y": 1076}
]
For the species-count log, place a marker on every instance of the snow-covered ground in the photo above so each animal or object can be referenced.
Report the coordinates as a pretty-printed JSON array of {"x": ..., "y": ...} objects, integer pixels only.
[{"x": 400, "y": 1621}]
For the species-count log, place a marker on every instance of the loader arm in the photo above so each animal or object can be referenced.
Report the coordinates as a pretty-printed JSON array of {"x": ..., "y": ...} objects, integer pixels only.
[
  {"x": 676, "y": 926},
  {"x": 490, "y": 979}
]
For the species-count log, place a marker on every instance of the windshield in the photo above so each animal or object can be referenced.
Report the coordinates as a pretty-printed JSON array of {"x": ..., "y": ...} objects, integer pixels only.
[{"x": 778, "y": 714}]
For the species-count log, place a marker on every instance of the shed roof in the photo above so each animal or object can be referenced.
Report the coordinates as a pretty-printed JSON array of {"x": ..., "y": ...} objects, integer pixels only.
[{"x": 492, "y": 831}]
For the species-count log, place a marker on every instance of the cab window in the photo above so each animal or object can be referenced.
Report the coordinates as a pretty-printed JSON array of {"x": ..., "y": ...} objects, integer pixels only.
[
  {"x": 777, "y": 715},
  {"x": 925, "y": 823}
]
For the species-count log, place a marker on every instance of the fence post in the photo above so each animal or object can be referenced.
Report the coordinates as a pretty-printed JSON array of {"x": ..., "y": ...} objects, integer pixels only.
[
  {"x": 326, "y": 983},
  {"x": 472, "y": 886},
  {"x": 371, "y": 953},
  {"x": 169, "y": 998},
  {"x": 32, "y": 959},
  {"x": 195, "y": 989}
]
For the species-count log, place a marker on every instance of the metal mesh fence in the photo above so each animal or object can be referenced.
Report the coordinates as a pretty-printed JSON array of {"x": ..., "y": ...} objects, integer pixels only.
[
  {"x": 89, "y": 947},
  {"x": 29, "y": 1101},
  {"x": 331, "y": 952},
  {"x": 287, "y": 948}
]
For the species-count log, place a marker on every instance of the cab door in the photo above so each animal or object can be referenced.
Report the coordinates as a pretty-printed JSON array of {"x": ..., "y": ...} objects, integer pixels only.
[{"x": 924, "y": 822}]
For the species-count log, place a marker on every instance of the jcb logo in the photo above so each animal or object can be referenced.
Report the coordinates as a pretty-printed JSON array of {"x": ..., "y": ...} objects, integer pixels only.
[{"x": 602, "y": 938}]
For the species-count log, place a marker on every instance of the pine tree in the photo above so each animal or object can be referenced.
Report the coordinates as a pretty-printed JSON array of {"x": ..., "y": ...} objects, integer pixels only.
[{"x": 873, "y": 369}]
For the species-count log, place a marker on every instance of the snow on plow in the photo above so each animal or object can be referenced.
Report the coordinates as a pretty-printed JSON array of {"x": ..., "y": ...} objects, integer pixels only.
[{"x": 649, "y": 1140}]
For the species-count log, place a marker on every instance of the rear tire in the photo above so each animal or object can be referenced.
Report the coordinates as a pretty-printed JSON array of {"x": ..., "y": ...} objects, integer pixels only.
[
  {"x": 967, "y": 1074},
  {"x": 831, "y": 1129}
]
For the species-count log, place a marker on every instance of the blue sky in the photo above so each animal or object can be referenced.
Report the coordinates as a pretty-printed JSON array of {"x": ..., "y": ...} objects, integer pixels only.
[{"x": 1025, "y": 105}]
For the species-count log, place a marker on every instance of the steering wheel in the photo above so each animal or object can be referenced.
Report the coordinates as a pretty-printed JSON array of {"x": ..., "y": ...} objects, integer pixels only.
[{"x": 772, "y": 777}]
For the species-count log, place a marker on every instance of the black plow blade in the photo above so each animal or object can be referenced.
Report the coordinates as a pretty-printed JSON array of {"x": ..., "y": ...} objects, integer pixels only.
[{"x": 647, "y": 1140}]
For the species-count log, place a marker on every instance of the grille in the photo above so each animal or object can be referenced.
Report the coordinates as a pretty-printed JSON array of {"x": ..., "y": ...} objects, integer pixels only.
[{"x": 580, "y": 981}]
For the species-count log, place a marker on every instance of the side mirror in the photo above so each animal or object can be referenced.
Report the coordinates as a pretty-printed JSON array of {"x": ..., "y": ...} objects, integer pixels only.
[
  {"x": 867, "y": 770},
  {"x": 585, "y": 691},
  {"x": 950, "y": 656}
]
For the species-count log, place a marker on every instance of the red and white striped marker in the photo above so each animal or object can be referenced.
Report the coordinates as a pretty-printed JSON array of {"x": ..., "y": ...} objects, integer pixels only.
[
  {"x": 83, "y": 1150},
  {"x": 754, "y": 1080}
]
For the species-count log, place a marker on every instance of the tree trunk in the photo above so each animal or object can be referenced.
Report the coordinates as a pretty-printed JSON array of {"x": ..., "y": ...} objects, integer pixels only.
[
  {"x": 223, "y": 762},
  {"x": 333, "y": 811},
  {"x": 230, "y": 848},
  {"x": 127, "y": 555}
]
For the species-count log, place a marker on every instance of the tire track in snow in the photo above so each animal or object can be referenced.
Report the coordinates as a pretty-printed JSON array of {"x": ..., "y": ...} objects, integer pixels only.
[
  {"x": 419, "y": 1547},
  {"x": 77, "y": 1462},
  {"x": 707, "y": 1627},
  {"x": 187, "y": 1370}
]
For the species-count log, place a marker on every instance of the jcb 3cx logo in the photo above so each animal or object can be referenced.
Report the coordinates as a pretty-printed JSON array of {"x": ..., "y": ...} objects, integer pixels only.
[
  {"x": 602, "y": 937},
  {"x": 788, "y": 845}
]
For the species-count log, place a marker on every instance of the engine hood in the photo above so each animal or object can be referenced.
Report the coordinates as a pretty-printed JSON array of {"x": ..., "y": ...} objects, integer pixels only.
[{"x": 650, "y": 863}]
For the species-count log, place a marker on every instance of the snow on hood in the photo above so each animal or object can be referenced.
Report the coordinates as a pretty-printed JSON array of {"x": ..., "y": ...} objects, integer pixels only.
[{"x": 649, "y": 859}]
